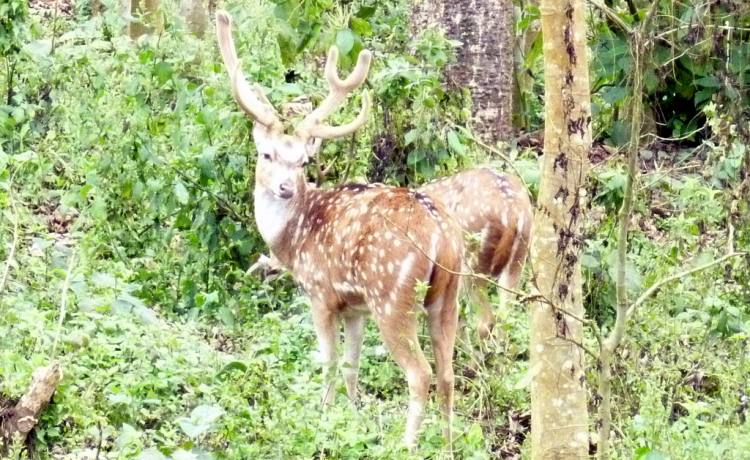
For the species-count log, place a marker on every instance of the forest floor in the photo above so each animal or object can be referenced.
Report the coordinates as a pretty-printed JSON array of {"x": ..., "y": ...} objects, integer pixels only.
[{"x": 126, "y": 230}]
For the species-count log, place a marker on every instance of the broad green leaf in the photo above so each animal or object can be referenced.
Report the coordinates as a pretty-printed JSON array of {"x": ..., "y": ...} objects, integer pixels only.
[
  {"x": 345, "y": 40},
  {"x": 151, "y": 453},
  {"x": 710, "y": 81},
  {"x": 201, "y": 420},
  {"x": 163, "y": 72},
  {"x": 128, "y": 435},
  {"x": 232, "y": 366},
  {"x": 360, "y": 26},
  {"x": 534, "y": 53},
  {"x": 614, "y": 94},
  {"x": 415, "y": 157},
  {"x": 703, "y": 95},
  {"x": 589, "y": 261},
  {"x": 103, "y": 280},
  {"x": 411, "y": 136},
  {"x": 366, "y": 12},
  {"x": 227, "y": 316},
  {"x": 455, "y": 143},
  {"x": 620, "y": 133},
  {"x": 650, "y": 81},
  {"x": 181, "y": 192}
]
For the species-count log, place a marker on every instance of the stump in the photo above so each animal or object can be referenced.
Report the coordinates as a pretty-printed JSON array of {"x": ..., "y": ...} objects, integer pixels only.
[{"x": 16, "y": 422}]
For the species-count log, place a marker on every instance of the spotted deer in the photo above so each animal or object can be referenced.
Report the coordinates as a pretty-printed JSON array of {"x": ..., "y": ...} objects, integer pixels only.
[
  {"x": 354, "y": 249},
  {"x": 495, "y": 207}
]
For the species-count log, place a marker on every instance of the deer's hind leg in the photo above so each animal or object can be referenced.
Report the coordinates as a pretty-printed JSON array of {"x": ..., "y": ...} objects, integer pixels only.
[
  {"x": 398, "y": 328},
  {"x": 477, "y": 289},
  {"x": 441, "y": 304},
  {"x": 354, "y": 325}
]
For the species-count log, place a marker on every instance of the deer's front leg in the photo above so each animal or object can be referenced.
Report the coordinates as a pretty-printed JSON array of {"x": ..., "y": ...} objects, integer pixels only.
[
  {"x": 354, "y": 325},
  {"x": 325, "y": 328}
]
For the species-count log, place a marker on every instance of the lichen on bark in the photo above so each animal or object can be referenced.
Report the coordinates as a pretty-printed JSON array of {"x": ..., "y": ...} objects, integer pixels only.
[
  {"x": 484, "y": 62},
  {"x": 558, "y": 391}
]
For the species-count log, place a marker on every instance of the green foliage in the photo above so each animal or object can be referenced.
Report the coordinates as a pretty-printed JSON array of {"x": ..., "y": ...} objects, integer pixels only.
[
  {"x": 699, "y": 55},
  {"x": 126, "y": 173},
  {"x": 416, "y": 103},
  {"x": 13, "y": 15}
]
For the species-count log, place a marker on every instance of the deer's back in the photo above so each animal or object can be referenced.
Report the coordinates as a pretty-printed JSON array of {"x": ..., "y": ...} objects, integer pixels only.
[
  {"x": 495, "y": 206},
  {"x": 370, "y": 244}
]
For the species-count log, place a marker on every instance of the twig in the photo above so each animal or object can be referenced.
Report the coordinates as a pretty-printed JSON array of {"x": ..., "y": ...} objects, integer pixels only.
[
  {"x": 580, "y": 345},
  {"x": 13, "y": 245},
  {"x": 101, "y": 437},
  {"x": 63, "y": 302},
  {"x": 612, "y": 15},
  {"x": 54, "y": 27},
  {"x": 490, "y": 149},
  {"x": 219, "y": 200},
  {"x": 471, "y": 274},
  {"x": 658, "y": 285}
]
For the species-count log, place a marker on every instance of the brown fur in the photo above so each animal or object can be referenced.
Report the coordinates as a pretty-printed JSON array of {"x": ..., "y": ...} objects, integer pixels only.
[{"x": 492, "y": 205}]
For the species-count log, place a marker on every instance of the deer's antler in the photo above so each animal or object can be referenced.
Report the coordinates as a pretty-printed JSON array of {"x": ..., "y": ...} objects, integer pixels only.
[
  {"x": 312, "y": 125},
  {"x": 251, "y": 98}
]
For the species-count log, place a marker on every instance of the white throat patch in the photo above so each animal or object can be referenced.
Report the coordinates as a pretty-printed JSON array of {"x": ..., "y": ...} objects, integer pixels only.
[{"x": 272, "y": 215}]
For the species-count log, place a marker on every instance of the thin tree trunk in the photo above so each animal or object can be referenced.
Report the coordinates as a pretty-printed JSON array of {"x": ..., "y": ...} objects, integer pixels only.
[
  {"x": 150, "y": 22},
  {"x": 195, "y": 15},
  {"x": 486, "y": 29},
  {"x": 611, "y": 343},
  {"x": 559, "y": 418},
  {"x": 523, "y": 80}
]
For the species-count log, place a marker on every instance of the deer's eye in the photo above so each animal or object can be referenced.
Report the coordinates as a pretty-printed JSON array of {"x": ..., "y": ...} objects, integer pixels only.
[{"x": 267, "y": 156}]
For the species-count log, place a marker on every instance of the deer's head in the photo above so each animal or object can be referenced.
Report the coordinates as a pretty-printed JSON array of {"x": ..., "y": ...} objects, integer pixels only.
[{"x": 281, "y": 157}]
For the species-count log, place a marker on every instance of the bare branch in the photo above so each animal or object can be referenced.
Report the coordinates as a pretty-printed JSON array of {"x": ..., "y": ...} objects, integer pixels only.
[
  {"x": 63, "y": 301},
  {"x": 659, "y": 284},
  {"x": 612, "y": 15},
  {"x": 13, "y": 245}
]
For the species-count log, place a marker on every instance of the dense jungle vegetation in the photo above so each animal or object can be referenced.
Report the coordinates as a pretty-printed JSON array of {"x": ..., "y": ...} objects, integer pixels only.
[{"x": 126, "y": 230}]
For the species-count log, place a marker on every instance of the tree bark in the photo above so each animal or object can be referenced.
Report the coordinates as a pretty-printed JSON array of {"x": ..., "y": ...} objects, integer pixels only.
[
  {"x": 23, "y": 417},
  {"x": 151, "y": 20},
  {"x": 559, "y": 418},
  {"x": 485, "y": 29},
  {"x": 195, "y": 14}
]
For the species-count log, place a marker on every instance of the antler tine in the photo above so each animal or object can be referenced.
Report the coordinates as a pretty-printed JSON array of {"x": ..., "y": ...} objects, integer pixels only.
[
  {"x": 355, "y": 78},
  {"x": 312, "y": 125},
  {"x": 250, "y": 98}
]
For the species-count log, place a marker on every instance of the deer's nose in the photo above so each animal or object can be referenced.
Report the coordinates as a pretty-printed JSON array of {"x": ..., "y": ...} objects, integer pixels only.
[{"x": 286, "y": 190}]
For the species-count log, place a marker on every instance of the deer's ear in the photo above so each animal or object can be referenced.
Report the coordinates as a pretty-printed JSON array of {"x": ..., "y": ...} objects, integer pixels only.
[
  {"x": 263, "y": 138},
  {"x": 312, "y": 146},
  {"x": 260, "y": 132}
]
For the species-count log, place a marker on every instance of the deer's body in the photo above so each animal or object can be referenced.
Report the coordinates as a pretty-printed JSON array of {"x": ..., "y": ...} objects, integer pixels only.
[
  {"x": 355, "y": 248},
  {"x": 358, "y": 249},
  {"x": 497, "y": 208}
]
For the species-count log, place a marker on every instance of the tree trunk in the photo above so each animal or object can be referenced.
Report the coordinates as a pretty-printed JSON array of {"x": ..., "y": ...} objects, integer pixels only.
[
  {"x": 485, "y": 29},
  {"x": 559, "y": 419},
  {"x": 150, "y": 19},
  {"x": 195, "y": 14},
  {"x": 523, "y": 81}
]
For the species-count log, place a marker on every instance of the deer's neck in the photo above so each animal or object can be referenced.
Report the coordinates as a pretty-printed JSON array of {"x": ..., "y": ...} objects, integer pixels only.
[{"x": 280, "y": 222}]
